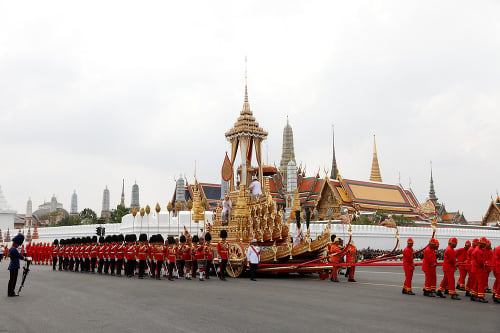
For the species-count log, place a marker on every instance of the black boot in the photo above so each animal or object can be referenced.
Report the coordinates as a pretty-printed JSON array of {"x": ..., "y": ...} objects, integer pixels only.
[
  {"x": 446, "y": 292},
  {"x": 440, "y": 294},
  {"x": 473, "y": 298},
  {"x": 481, "y": 300},
  {"x": 468, "y": 294},
  {"x": 410, "y": 292},
  {"x": 404, "y": 291},
  {"x": 496, "y": 300},
  {"x": 455, "y": 297}
]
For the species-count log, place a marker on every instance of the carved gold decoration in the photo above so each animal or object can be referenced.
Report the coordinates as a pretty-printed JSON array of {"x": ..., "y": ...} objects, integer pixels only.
[
  {"x": 148, "y": 209},
  {"x": 158, "y": 208},
  {"x": 198, "y": 210}
]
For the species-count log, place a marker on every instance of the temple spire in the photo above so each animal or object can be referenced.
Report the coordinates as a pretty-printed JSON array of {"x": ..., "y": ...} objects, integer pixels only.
[
  {"x": 122, "y": 201},
  {"x": 375, "y": 174},
  {"x": 432, "y": 193},
  {"x": 334, "y": 172}
]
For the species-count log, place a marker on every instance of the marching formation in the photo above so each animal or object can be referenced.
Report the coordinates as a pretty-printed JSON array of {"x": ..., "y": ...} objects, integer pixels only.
[
  {"x": 474, "y": 261},
  {"x": 184, "y": 257}
]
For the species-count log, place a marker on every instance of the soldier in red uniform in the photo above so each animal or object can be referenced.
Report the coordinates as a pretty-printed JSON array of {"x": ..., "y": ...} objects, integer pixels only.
[
  {"x": 112, "y": 254},
  {"x": 120, "y": 255},
  {"x": 496, "y": 286},
  {"x": 187, "y": 255},
  {"x": 60, "y": 253},
  {"x": 334, "y": 258},
  {"x": 429, "y": 268},
  {"x": 194, "y": 245},
  {"x": 209, "y": 256},
  {"x": 100, "y": 255},
  {"x": 178, "y": 258},
  {"x": 461, "y": 255},
  {"x": 142, "y": 254},
  {"x": 479, "y": 269},
  {"x": 201, "y": 258},
  {"x": 171, "y": 256},
  {"x": 408, "y": 266},
  {"x": 351, "y": 259},
  {"x": 107, "y": 255},
  {"x": 471, "y": 280},
  {"x": 131, "y": 254},
  {"x": 158, "y": 255},
  {"x": 223, "y": 252},
  {"x": 93, "y": 254},
  {"x": 449, "y": 267}
]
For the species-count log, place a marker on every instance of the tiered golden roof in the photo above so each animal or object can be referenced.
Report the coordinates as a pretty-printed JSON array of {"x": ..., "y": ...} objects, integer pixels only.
[
  {"x": 246, "y": 124},
  {"x": 375, "y": 175}
]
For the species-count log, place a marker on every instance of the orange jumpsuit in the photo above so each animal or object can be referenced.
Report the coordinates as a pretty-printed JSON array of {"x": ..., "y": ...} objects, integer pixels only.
[
  {"x": 334, "y": 259},
  {"x": 408, "y": 266},
  {"x": 449, "y": 267}
]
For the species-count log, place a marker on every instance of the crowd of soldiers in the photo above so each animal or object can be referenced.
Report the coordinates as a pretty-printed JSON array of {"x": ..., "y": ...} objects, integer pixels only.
[
  {"x": 475, "y": 262},
  {"x": 182, "y": 257}
]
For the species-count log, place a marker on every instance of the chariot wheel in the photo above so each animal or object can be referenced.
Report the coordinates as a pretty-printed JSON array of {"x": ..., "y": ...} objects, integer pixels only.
[{"x": 236, "y": 263}]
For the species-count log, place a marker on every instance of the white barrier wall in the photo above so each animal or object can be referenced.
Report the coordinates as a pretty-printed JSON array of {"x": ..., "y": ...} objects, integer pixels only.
[
  {"x": 167, "y": 224},
  {"x": 364, "y": 236}
]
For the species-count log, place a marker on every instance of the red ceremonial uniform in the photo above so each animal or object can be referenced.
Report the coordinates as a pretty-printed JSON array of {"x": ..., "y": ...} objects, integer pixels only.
[
  {"x": 408, "y": 266},
  {"x": 142, "y": 252},
  {"x": 429, "y": 268},
  {"x": 131, "y": 252},
  {"x": 159, "y": 253},
  {"x": 171, "y": 254},
  {"x": 449, "y": 267},
  {"x": 223, "y": 249},
  {"x": 120, "y": 251}
]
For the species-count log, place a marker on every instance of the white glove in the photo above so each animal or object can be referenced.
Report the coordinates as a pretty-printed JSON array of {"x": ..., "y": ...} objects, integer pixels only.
[{"x": 28, "y": 258}]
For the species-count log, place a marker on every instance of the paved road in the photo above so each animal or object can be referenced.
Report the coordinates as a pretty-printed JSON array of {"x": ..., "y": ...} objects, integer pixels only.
[{"x": 75, "y": 302}]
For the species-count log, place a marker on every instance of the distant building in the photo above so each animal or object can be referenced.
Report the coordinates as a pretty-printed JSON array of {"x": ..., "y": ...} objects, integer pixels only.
[
  {"x": 287, "y": 151},
  {"x": 440, "y": 210},
  {"x": 135, "y": 197},
  {"x": 105, "y": 212},
  {"x": 50, "y": 212},
  {"x": 7, "y": 215},
  {"x": 74, "y": 204},
  {"x": 492, "y": 216}
]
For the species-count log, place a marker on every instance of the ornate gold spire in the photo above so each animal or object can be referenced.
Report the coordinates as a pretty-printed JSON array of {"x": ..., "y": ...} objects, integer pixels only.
[
  {"x": 198, "y": 210},
  {"x": 375, "y": 175},
  {"x": 246, "y": 124}
]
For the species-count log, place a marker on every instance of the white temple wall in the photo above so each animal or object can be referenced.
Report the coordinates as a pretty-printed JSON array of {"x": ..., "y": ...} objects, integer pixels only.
[
  {"x": 383, "y": 238},
  {"x": 7, "y": 221}
]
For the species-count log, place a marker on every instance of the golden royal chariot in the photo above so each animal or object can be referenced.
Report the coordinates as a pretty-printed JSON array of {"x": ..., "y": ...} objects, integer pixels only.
[{"x": 257, "y": 218}]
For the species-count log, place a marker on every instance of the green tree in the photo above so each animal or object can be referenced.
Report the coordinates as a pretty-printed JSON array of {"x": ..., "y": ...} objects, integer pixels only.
[
  {"x": 70, "y": 220},
  {"x": 118, "y": 213},
  {"x": 88, "y": 216}
]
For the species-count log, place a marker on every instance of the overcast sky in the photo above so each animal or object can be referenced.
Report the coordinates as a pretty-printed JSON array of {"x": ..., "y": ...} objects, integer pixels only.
[{"x": 93, "y": 92}]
